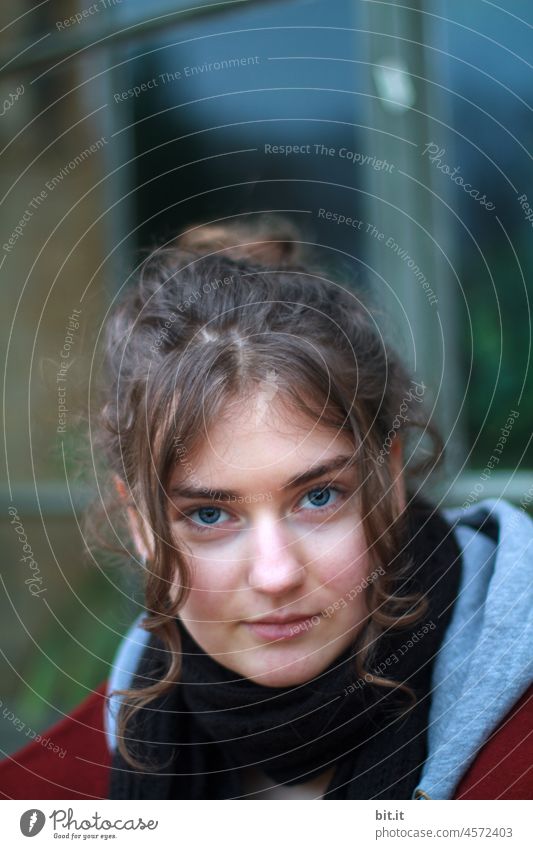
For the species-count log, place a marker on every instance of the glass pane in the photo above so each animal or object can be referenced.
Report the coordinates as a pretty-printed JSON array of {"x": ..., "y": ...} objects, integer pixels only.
[{"x": 486, "y": 168}]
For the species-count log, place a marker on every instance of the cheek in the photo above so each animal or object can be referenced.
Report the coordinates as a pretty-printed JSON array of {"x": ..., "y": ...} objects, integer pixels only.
[
  {"x": 339, "y": 556},
  {"x": 213, "y": 590},
  {"x": 342, "y": 563}
]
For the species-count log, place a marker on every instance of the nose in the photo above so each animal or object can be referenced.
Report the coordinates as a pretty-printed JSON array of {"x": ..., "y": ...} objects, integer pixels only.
[{"x": 275, "y": 568}]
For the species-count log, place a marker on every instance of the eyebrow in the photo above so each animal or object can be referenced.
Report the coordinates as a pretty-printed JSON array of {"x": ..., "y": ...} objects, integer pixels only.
[{"x": 338, "y": 462}]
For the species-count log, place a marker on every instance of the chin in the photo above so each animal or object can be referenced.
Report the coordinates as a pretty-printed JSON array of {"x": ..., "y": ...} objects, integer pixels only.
[{"x": 281, "y": 671}]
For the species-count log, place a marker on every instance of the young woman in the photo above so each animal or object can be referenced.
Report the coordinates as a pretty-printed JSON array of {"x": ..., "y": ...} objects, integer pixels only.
[{"x": 312, "y": 627}]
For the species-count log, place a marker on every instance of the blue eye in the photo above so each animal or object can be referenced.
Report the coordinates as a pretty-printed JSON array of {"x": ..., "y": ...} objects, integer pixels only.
[
  {"x": 206, "y": 515},
  {"x": 321, "y": 496}
]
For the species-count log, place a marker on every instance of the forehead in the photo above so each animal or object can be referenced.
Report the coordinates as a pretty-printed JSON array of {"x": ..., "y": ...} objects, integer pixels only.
[{"x": 264, "y": 438}]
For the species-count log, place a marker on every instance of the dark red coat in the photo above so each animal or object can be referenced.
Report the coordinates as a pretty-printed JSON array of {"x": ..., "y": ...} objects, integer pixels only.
[{"x": 503, "y": 768}]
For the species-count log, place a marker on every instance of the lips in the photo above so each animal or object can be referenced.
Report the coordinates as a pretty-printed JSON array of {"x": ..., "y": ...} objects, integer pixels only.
[
  {"x": 283, "y": 626},
  {"x": 282, "y": 618}
]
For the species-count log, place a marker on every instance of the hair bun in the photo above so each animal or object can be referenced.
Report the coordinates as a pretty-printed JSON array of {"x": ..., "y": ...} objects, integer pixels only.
[{"x": 266, "y": 241}]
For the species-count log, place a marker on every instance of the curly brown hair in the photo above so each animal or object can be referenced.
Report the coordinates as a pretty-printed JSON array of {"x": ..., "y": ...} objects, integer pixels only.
[{"x": 210, "y": 313}]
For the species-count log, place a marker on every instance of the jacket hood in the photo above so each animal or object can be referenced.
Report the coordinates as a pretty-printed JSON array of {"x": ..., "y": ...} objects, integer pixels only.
[{"x": 485, "y": 661}]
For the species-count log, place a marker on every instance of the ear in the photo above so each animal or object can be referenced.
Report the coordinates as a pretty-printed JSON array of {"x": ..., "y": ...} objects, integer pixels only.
[
  {"x": 396, "y": 469},
  {"x": 139, "y": 529}
]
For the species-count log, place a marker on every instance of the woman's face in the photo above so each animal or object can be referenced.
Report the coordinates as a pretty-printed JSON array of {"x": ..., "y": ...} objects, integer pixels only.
[{"x": 277, "y": 536}]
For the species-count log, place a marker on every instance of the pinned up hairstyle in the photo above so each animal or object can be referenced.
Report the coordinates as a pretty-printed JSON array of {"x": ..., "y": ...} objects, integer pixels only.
[{"x": 209, "y": 316}]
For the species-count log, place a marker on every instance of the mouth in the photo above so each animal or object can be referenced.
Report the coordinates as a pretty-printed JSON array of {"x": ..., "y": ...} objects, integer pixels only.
[{"x": 283, "y": 628}]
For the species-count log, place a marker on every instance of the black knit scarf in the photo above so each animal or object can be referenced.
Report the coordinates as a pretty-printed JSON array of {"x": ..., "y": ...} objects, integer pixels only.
[{"x": 200, "y": 737}]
